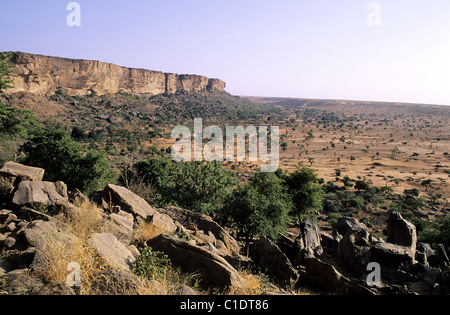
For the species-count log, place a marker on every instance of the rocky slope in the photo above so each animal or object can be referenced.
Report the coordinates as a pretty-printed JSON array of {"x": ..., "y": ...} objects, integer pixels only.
[
  {"x": 33, "y": 244},
  {"x": 44, "y": 75}
]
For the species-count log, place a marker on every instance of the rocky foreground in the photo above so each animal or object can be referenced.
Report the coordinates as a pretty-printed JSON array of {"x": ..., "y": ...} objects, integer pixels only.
[{"x": 47, "y": 232}]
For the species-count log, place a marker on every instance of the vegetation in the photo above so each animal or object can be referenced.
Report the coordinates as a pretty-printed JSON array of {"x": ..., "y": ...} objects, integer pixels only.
[
  {"x": 64, "y": 160},
  {"x": 260, "y": 207}
]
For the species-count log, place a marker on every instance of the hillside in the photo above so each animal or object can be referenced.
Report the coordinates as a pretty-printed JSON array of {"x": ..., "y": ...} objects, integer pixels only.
[{"x": 358, "y": 182}]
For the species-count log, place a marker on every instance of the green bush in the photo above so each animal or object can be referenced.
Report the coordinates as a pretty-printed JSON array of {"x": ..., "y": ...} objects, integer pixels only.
[
  {"x": 62, "y": 159},
  {"x": 151, "y": 265}
]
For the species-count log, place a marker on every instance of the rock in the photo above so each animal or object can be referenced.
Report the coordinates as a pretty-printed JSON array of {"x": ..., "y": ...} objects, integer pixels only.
[
  {"x": 43, "y": 75},
  {"x": 121, "y": 225},
  {"x": 441, "y": 256},
  {"x": 115, "y": 282},
  {"x": 330, "y": 242},
  {"x": 20, "y": 282},
  {"x": 196, "y": 221},
  {"x": 46, "y": 193},
  {"x": 132, "y": 203},
  {"x": 347, "y": 224},
  {"x": 38, "y": 229},
  {"x": 214, "y": 271},
  {"x": 309, "y": 242},
  {"x": 274, "y": 263},
  {"x": 13, "y": 173},
  {"x": 113, "y": 252},
  {"x": 389, "y": 254},
  {"x": 326, "y": 277},
  {"x": 77, "y": 198},
  {"x": 183, "y": 290},
  {"x": 354, "y": 245},
  {"x": 401, "y": 232}
]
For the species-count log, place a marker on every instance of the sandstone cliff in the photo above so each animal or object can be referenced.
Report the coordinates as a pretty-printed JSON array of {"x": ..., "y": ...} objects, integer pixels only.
[{"x": 44, "y": 75}]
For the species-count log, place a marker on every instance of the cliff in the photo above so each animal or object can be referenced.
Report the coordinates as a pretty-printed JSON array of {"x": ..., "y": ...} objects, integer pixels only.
[{"x": 44, "y": 75}]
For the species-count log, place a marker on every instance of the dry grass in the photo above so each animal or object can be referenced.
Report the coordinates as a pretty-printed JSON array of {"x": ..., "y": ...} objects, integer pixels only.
[
  {"x": 148, "y": 231},
  {"x": 59, "y": 252},
  {"x": 84, "y": 220}
]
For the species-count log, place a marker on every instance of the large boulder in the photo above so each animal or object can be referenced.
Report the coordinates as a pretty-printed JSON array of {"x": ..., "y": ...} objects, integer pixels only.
[
  {"x": 392, "y": 255},
  {"x": 308, "y": 243},
  {"x": 401, "y": 232},
  {"x": 137, "y": 206},
  {"x": 37, "y": 192},
  {"x": 214, "y": 271},
  {"x": 354, "y": 246},
  {"x": 326, "y": 277},
  {"x": 113, "y": 252},
  {"x": 219, "y": 237},
  {"x": 12, "y": 174},
  {"x": 274, "y": 263}
]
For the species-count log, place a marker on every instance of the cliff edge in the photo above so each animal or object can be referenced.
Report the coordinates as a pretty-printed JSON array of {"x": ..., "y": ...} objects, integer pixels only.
[{"x": 44, "y": 75}]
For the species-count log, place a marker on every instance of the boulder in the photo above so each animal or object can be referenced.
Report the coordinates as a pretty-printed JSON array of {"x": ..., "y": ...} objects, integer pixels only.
[
  {"x": 348, "y": 224},
  {"x": 137, "y": 206},
  {"x": 354, "y": 245},
  {"x": 325, "y": 277},
  {"x": 274, "y": 263},
  {"x": 309, "y": 241},
  {"x": 441, "y": 256},
  {"x": 13, "y": 173},
  {"x": 389, "y": 254},
  {"x": 116, "y": 282},
  {"x": 196, "y": 221},
  {"x": 113, "y": 252},
  {"x": 37, "y": 192},
  {"x": 21, "y": 282},
  {"x": 121, "y": 225},
  {"x": 401, "y": 232},
  {"x": 37, "y": 230},
  {"x": 214, "y": 271}
]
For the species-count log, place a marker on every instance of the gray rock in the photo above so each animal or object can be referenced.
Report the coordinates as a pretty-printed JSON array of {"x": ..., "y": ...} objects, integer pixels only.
[
  {"x": 401, "y": 232},
  {"x": 115, "y": 282},
  {"x": 112, "y": 251},
  {"x": 274, "y": 263},
  {"x": 13, "y": 173},
  {"x": 213, "y": 270},
  {"x": 389, "y": 254},
  {"x": 132, "y": 203},
  {"x": 41, "y": 193}
]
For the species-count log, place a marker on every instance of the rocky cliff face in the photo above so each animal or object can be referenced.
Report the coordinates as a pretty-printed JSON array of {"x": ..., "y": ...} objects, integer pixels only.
[{"x": 43, "y": 75}]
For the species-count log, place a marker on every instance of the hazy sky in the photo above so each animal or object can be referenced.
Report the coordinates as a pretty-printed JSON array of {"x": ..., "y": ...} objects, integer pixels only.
[{"x": 287, "y": 48}]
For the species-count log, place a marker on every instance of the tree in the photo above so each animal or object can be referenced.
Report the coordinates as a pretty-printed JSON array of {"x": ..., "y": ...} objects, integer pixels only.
[
  {"x": 306, "y": 192},
  {"x": 193, "y": 185},
  {"x": 62, "y": 159},
  {"x": 14, "y": 122},
  {"x": 261, "y": 207},
  {"x": 6, "y": 68},
  {"x": 361, "y": 185}
]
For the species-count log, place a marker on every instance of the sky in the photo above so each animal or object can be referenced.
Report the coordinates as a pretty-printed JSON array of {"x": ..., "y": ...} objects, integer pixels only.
[{"x": 390, "y": 50}]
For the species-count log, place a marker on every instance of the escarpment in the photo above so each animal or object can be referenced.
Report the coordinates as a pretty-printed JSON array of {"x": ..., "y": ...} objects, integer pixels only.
[{"x": 44, "y": 75}]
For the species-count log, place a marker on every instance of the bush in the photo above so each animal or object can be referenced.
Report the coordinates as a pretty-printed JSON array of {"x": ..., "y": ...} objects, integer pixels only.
[
  {"x": 260, "y": 207},
  {"x": 151, "y": 265},
  {"x": 63, "y": 160},
  {"x": 192, "y": 185}
]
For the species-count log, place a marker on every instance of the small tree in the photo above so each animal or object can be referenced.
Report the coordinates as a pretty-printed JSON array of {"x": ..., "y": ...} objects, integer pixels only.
[
  {"x": 306, "y": 192},
  {"x": 260, "y": 207},
  {"x": 63, "y": 160},
  {"x": 361, "y": 185}
]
